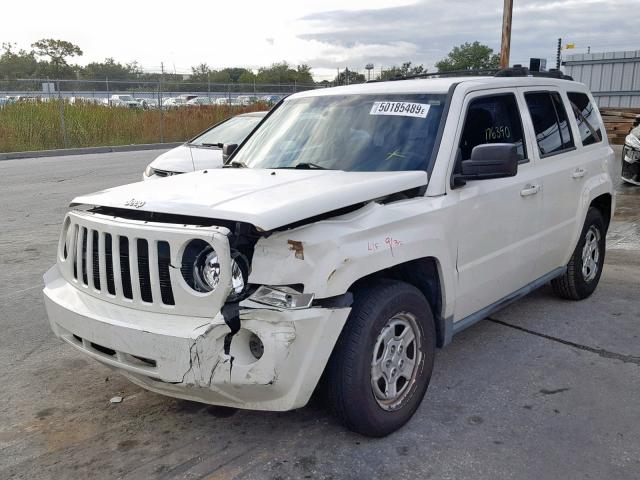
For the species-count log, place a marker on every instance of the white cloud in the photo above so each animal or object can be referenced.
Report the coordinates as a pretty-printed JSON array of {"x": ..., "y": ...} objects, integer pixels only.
[{"x": 323, "y": 33}]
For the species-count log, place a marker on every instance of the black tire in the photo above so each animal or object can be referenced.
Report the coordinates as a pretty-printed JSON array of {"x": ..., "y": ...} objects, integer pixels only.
[
  {"x": 573, "y": 285},
  {"x": 348, "y": 377}
]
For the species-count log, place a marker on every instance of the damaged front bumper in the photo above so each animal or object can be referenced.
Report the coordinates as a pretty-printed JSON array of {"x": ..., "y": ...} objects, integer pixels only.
[{"x": 183, "y": 356}]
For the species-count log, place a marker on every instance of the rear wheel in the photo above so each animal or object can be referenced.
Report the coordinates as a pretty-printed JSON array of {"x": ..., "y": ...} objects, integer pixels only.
[
  {"x": 585, "y": 266},
  {"x": 382, "y": 363}
]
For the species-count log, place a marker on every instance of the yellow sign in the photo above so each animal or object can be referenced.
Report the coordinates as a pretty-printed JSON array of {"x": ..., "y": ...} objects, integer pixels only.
[{"x": 570, "y": 46}]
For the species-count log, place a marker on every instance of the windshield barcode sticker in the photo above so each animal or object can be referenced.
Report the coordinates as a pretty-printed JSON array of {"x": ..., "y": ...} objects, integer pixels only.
[{"x": 403, "y": 109}]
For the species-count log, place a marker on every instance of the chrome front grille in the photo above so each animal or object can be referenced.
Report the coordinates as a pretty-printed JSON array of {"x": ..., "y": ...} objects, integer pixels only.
[{"x": 137, "y": 263}]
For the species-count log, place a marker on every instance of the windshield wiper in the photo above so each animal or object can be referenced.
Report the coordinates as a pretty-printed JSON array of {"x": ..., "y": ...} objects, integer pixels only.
[
  {"x": 304, "y": 166},
  {"x": 235, "y": 164},
  {"x": 218, "y": 145}
]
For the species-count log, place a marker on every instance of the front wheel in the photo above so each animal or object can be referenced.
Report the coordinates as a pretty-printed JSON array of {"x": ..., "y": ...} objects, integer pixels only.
[
  {"x": 382, "y": 363},
  {"x": 585, "y": 266}
]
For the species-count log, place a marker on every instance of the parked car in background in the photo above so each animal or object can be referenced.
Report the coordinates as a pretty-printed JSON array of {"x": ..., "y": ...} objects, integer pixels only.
[
  {"x": 232, "y": 101},
  {"x": 147, "y": 102},
  {"x": 271, "y": 99},
  {"x": 631, "y": 157},
  {"x": 119, "y": 100},
  {"x": 173, "y": 102},
  {"x": 205, "y": 150},
  {"x": 187, "y": 97},
  {"x": 247, "y": 99},
  {"x": 201, "y": 101}
]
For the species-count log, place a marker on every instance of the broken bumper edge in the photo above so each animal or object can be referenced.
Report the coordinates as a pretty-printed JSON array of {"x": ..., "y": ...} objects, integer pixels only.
[{"x": 183, "y": 356}]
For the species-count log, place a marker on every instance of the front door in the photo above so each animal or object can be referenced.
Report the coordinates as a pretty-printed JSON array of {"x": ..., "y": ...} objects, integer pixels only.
[{"x": 497, "y": 219}]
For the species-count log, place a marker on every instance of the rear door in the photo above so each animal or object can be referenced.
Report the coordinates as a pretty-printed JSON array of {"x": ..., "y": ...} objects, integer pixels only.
[
  {"x": 564, "y": 165},
  {"x": 496, "y": 219}
]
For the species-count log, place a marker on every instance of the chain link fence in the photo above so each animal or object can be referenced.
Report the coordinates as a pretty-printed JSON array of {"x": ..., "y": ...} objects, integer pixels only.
[{"x": 48, "y": 114}]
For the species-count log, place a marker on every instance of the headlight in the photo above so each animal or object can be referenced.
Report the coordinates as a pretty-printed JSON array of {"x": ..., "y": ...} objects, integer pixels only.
[
  {"x": 282, "y": 297},
  {"x": 208, "y": 271},
  {"x": 239, "y": 275},
  {"x": 201, "y": 269},
  {"x": 200, "y": 266},
  {"x": 149, "y": 170}
]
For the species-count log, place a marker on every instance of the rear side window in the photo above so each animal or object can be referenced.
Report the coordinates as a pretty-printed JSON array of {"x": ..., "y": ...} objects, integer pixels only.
[
  {"x": 492, "y": 119},
  {"x": 586, "y": 118},
  {"x": 550, "y": 122}
]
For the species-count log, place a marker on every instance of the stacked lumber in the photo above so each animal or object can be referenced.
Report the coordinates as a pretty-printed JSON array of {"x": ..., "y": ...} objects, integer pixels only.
[{"x": 619, "y": 122}]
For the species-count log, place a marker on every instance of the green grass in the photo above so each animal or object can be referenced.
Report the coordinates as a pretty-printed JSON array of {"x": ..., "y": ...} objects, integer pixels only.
[{"x": 37, "y": 125}]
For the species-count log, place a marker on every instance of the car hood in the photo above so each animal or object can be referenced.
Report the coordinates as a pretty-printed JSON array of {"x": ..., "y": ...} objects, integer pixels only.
[
  {"x": 184, "y": 159},
  {"x": 267, "y": 199}
]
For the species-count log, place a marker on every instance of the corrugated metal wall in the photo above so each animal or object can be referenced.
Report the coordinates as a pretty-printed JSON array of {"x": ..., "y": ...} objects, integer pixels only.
[{"x": 612, "y": 77}]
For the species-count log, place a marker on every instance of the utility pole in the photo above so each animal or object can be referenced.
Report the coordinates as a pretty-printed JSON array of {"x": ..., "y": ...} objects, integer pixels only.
[
  {"x": 558, "y": 54},
  {"x": 505, "y": 47}
]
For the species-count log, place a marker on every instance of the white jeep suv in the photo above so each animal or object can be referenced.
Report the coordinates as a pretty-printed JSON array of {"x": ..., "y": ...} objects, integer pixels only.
[{"x": 353, "y": 232}]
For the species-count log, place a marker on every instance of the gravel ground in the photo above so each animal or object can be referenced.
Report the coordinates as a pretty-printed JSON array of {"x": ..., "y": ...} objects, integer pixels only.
[{"x": 544, "y": 389}]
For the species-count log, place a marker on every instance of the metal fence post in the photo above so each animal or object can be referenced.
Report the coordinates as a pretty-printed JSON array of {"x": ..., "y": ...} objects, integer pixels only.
[
  {"x": 65, "y": 140},
  {"x": 161, "y": 111}
]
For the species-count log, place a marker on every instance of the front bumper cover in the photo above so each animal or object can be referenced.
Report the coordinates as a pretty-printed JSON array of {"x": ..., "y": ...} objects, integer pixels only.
[
  {"x": 183, "y": 356},
  {"x": 631, "y": 165}
]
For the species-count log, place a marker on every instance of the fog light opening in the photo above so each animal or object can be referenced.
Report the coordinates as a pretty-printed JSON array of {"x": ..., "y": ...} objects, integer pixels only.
[{"x": 256, "y": 346}]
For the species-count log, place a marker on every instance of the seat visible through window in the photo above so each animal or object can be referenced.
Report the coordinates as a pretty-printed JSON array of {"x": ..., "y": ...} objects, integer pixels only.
[{"x": 491, "y": 119}]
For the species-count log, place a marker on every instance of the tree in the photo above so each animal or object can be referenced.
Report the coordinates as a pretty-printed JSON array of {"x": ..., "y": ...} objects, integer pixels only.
[
  {"x": 110, "y": 69},
  {"x": 404, "y": 70},
  {"x": 247, "y": 77},
  {"x": 303, "y": 75},
  {"x": 469, "y": 56},
  {"x": 236, "y": 72},
  {"x": 201, "y": 73},
  {"x": 347, "y": 77},
  {"x": 283, "y": 73},
  {"x": 17, "y": 64},
  {"x": 56, "y": 50}
]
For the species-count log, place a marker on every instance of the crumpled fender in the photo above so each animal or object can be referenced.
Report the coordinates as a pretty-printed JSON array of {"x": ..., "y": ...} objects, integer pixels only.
[{"x": 330, "y": 255}]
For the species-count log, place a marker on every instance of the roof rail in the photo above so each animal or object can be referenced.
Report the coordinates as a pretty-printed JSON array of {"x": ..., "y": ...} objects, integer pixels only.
[
  {"x": 455, "y": 73},
  {"x": 515, "y": 71},
  {"x": 520, "y": 71}
]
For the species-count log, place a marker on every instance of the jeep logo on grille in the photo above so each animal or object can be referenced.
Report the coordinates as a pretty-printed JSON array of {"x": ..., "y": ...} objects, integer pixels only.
[{"x": 134, "y": 203}]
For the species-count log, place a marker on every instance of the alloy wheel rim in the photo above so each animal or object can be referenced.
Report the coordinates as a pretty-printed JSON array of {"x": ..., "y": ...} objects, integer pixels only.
[
  {"x": 396, "y": 360},
  {"x": 591, "y": 254}
]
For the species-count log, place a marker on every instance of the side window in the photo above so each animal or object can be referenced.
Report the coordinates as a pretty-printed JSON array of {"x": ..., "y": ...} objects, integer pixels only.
[
  {"x": 550, "y": 122},
  {"x": 588, "y": 123},
  {"x": 492, "y": 119}
]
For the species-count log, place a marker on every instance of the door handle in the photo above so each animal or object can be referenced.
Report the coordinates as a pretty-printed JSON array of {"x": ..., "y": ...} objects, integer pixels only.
[
  {"x": 529, "y": 189},
  {"x": 579, "y": 172}
]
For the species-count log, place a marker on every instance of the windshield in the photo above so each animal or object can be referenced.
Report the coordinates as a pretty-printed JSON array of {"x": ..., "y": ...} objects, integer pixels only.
[
  {"x": 363, "y": 133},
  {"x": 233, "y": 130}
]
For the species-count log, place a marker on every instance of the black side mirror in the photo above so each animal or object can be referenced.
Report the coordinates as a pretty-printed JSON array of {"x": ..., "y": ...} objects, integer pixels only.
[
  {"x": 227, "y": 150},
  {"x": 490, "y": 160}
]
